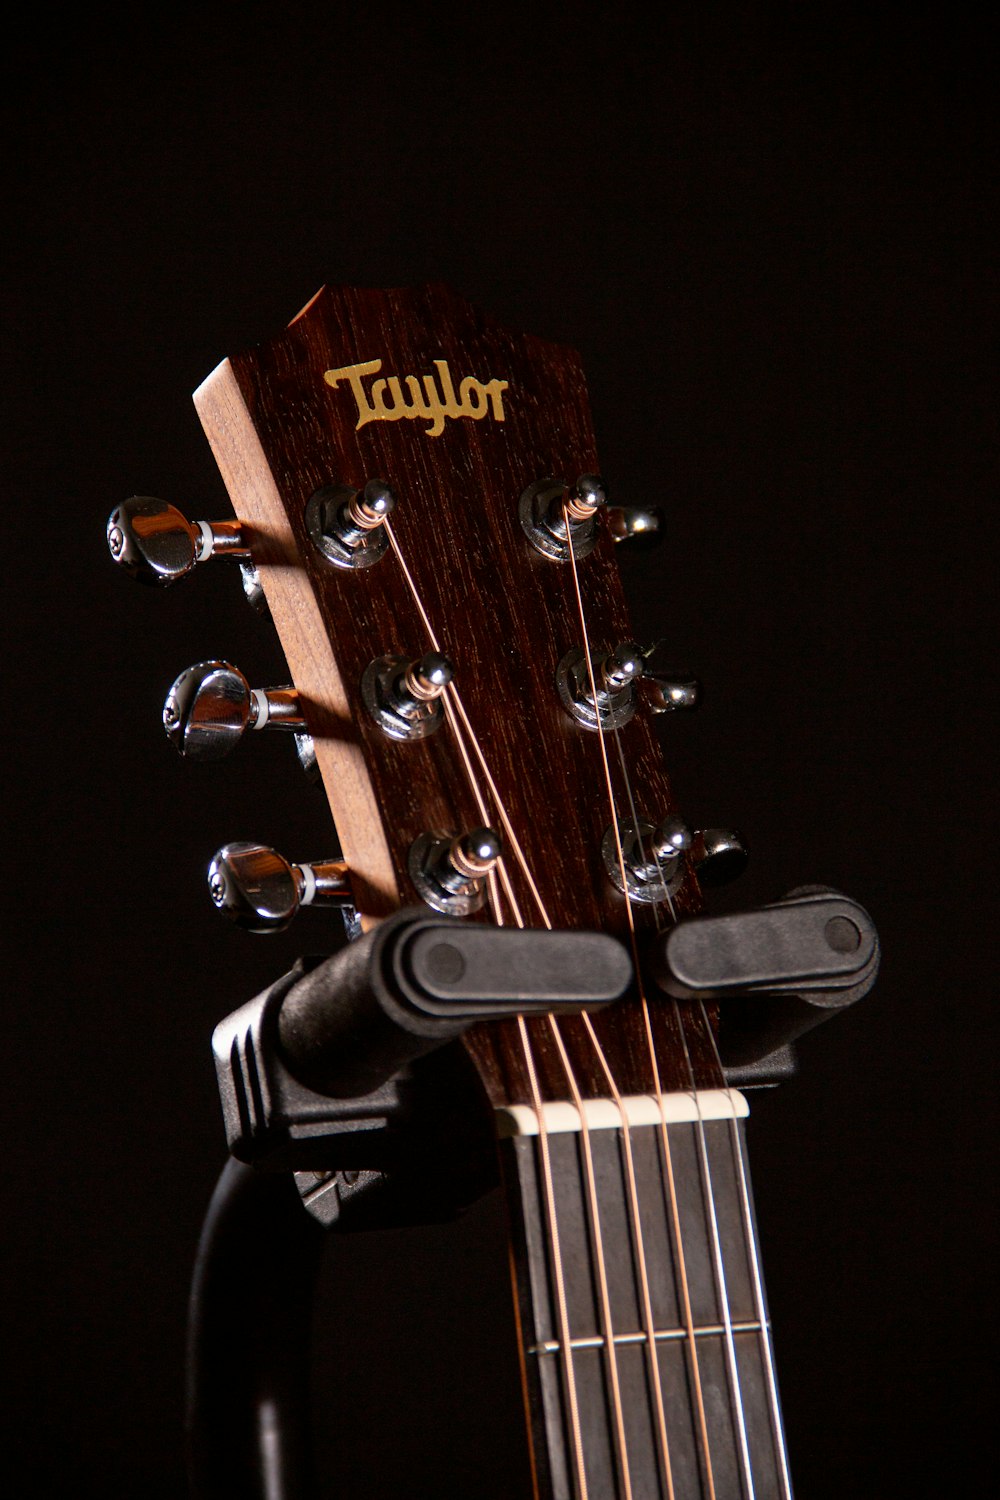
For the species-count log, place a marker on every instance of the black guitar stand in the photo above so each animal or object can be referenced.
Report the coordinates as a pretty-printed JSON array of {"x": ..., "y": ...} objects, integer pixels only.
[{"x": 346, "y": 1078}]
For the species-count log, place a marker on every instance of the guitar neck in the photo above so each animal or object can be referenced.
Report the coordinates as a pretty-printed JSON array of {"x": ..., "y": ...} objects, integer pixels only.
[{"x": 645, "y": 1341}]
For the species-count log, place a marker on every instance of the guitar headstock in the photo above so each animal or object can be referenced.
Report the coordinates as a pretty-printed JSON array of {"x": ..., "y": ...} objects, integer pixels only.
[{"x": 417, "y": 489}]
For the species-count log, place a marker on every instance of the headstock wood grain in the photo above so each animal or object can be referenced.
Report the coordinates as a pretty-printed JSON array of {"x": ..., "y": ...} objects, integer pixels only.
[{"x": 462, "y": 576}]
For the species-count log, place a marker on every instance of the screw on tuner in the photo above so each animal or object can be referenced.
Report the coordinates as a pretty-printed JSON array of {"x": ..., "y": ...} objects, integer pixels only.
[{"x": 558, "y": 518}]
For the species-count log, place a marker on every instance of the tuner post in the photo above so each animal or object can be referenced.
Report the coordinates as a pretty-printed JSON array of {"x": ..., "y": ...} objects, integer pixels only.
[
  {"x": 262, "y": 892},
  {"x": 346, "y": 526},
  {"x": 615, "y": 674},
  {"x": 406, "y": 698},
  {"x": 156, "y": 544},
  {"x": 559, "y": 520},
  {"x": 654, "y": 857},
  {"x": 450, "y": 873}
]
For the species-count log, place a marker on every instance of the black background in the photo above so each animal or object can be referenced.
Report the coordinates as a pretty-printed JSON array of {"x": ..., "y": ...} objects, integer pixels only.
[{"x": 764, "y": 228}]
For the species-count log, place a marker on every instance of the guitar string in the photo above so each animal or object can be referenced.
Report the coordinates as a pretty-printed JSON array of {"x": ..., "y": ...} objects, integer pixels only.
[
  {"x": 545, "y": 1153},
  {"x": 449, "y": 713},
  {"x": 705, "y": 1169},
  {"x": 738, "y": 1407},
  {"x": 567, "y": 1066},
  {"x": 664, "y": 1139},
  {"x": 649, "y": 1321},
  {"x": 760, "y": 1309},
  {"x": 671, "y": 1182},
  {"x": 610, "y": 1347},
  {"x": 736, "y": 1389},
  {"x": 680, "y": 1028},
  {"x": 566, "y": 1348}
]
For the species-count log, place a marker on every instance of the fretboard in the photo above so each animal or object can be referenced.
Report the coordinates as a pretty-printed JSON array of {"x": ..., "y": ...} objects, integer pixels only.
[{"x": 645, "y": 1338}]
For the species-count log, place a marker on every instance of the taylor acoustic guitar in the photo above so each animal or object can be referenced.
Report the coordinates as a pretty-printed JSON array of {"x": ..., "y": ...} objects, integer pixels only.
[{"x": 530, "y": 989}]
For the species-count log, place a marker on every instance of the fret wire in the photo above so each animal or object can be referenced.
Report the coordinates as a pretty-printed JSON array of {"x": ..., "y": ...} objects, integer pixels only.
[{"x": 660, "y": 1335}]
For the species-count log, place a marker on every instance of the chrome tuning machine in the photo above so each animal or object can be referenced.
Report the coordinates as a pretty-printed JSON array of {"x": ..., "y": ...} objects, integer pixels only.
[
  {"x": 262, "y": 892},
  {"x": 405, "y": 697},
  {"x": 345, "y": 525},
  {"x": 558, "y": 518},
  {"x": 211, "y": 706},
  {"x": 450, "y": 873},
  {"x": 615, "y": 675},
  {"x": 652, "y": 856},
  {"x": 157, "y": 545}
]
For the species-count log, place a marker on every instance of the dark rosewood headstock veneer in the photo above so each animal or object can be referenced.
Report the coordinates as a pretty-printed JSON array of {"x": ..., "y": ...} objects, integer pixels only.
[{"x": 314, "y": 408}]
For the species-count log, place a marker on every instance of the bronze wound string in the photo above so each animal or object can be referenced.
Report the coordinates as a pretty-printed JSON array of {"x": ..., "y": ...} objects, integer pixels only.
[
  {"x": 457, "y": 722},
  {"x": 672, "y": 1204}
]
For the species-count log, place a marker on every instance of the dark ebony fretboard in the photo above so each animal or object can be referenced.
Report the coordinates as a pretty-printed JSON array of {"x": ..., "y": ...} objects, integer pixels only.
[{"x": 720, "y": 1429}]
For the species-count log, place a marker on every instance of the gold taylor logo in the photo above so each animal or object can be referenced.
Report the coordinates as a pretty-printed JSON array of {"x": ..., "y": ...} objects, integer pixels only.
[{"x": 426, "y": 399}]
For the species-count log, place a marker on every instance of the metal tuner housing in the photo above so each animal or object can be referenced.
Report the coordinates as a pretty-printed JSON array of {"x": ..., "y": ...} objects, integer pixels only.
[
  {"x": 211, "y": 706},
  {"x": 158, "y": 545},
  {"x": 262, "y": 892},
  {"x": 450, "y": 873},
  {"x": 345, "y": 525}
]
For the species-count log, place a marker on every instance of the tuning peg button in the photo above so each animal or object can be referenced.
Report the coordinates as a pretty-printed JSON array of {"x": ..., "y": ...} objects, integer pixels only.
[
  {"x": 157, "y": 545},
  {"x": 664, "y": 689},
  {"x": 665, "y": 693},
  {"x": 640, "y": 526},
  {"x": 211, "y": 706},
  {"x": 262, "y": 892},
  {"x": 719, "y": 855}
]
